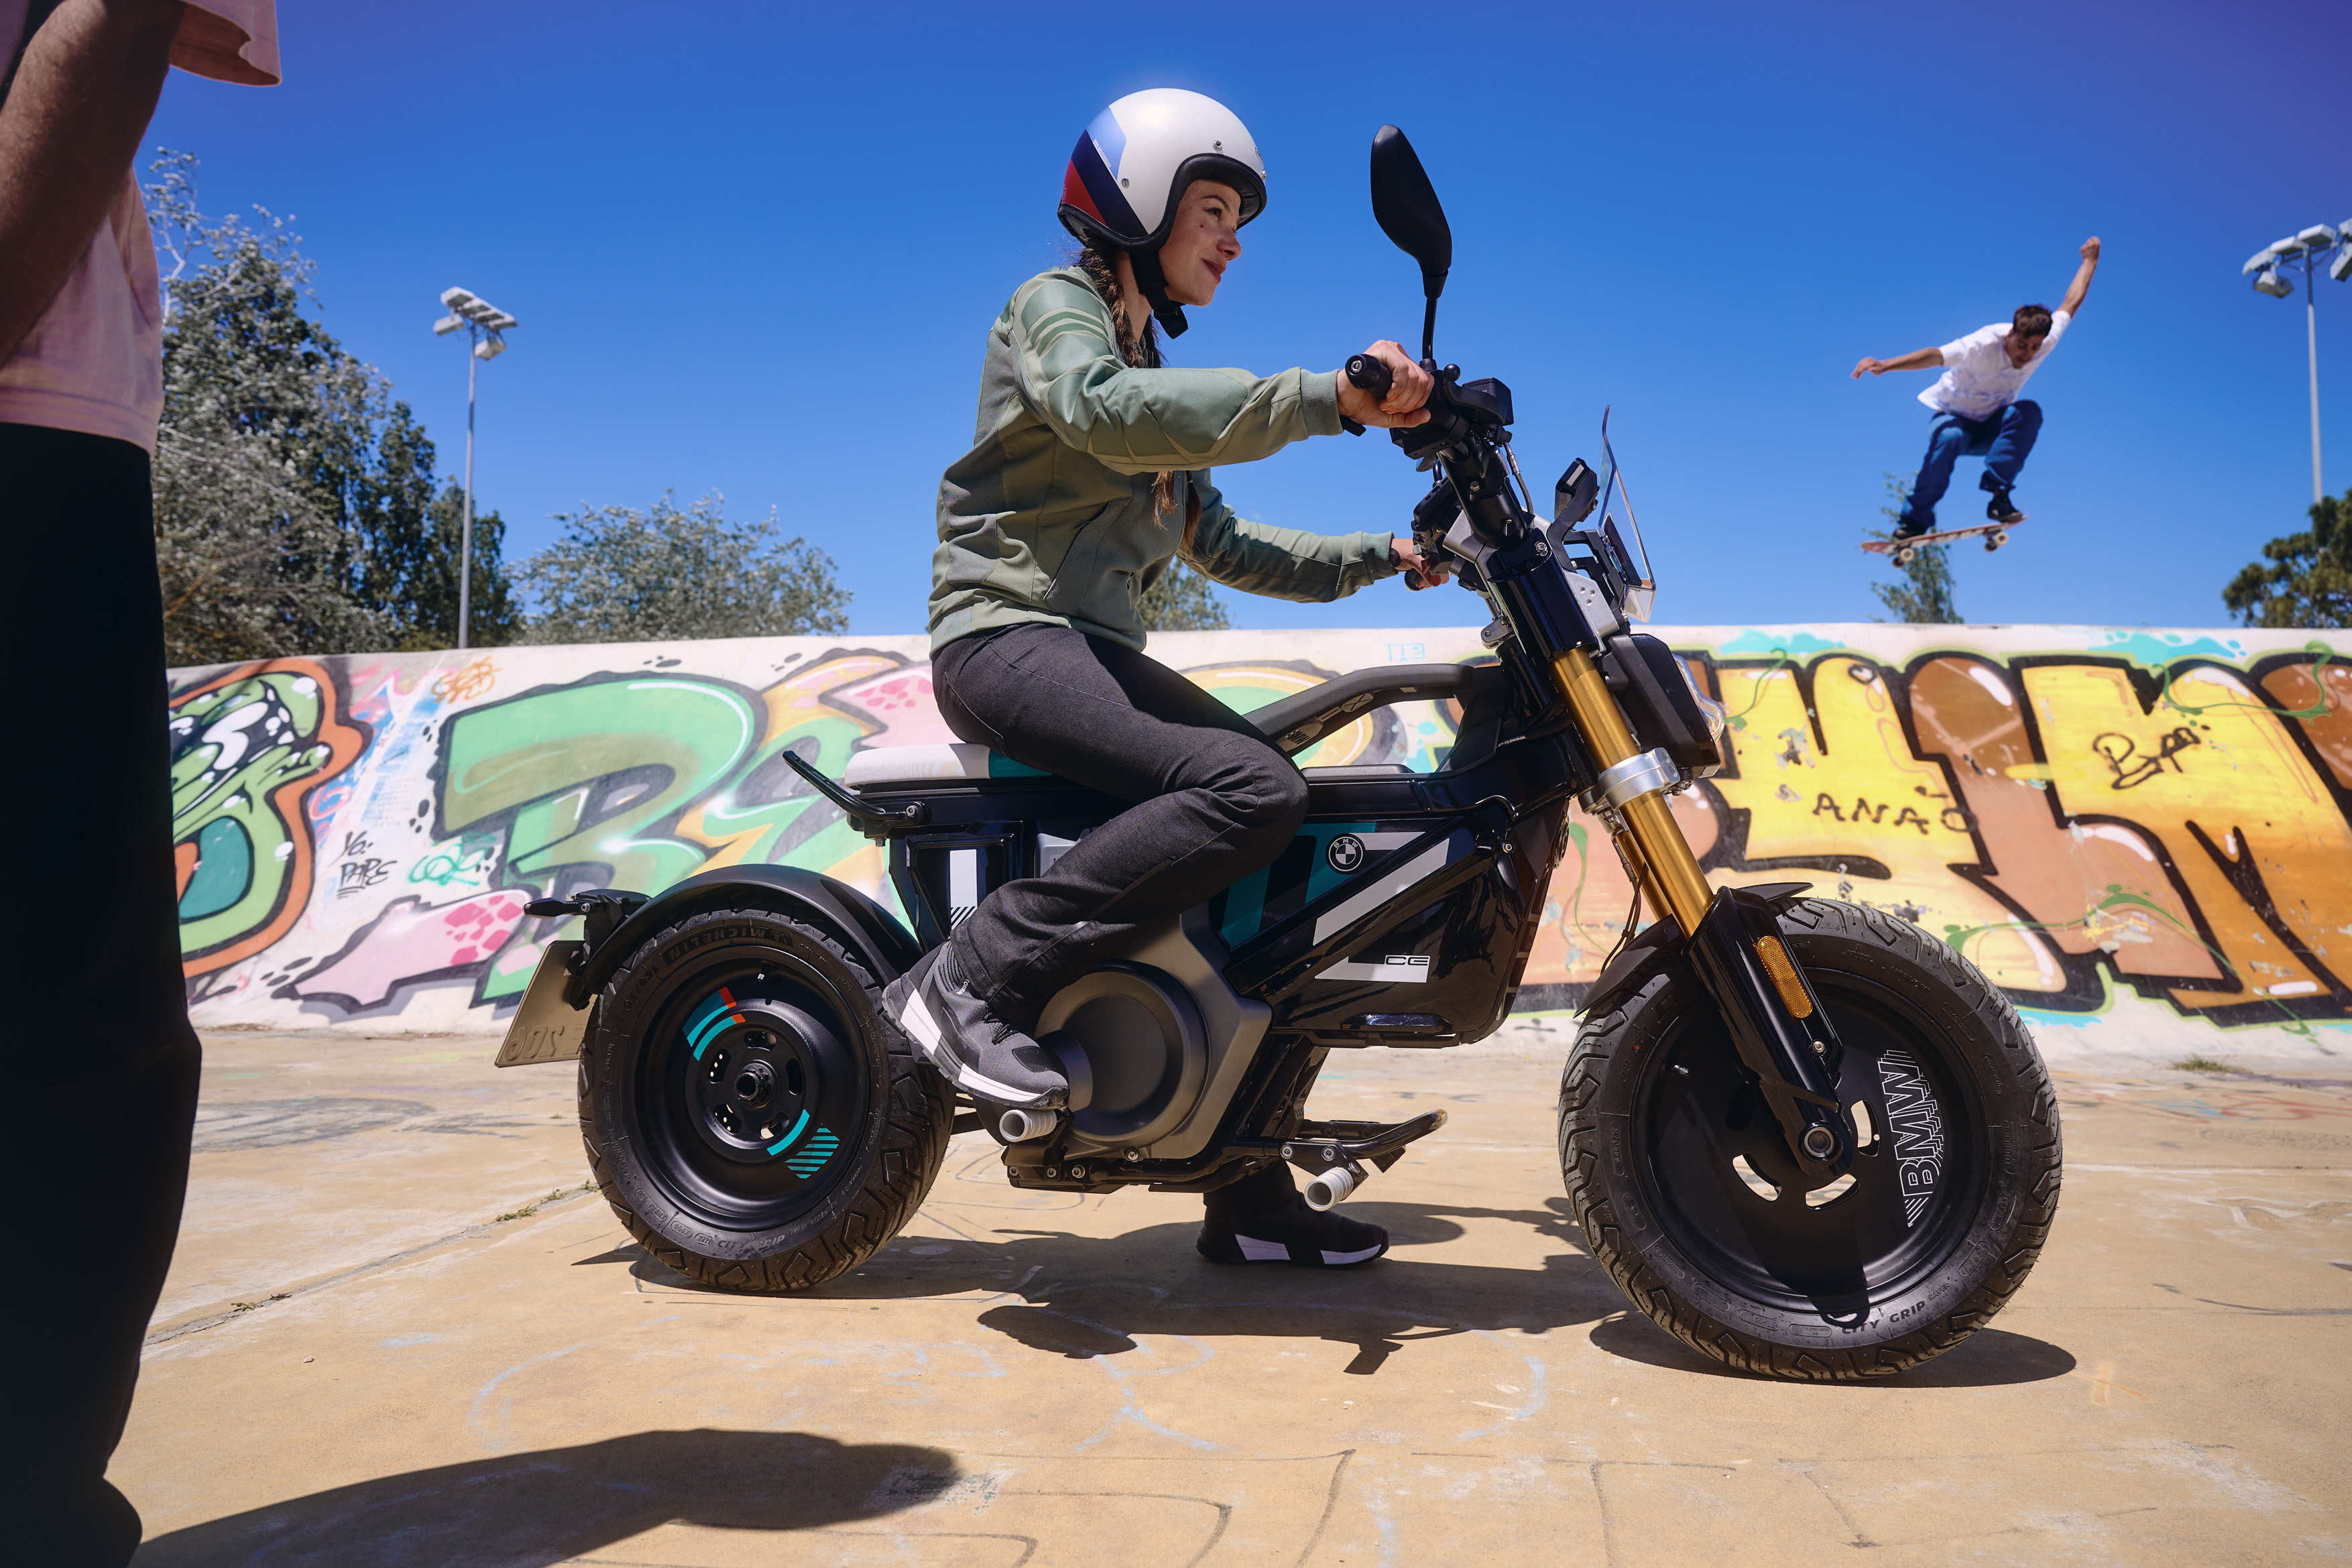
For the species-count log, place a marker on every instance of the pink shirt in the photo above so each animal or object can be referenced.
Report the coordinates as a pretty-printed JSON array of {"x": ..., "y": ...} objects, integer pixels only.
[{"x": 94, "y": 360}]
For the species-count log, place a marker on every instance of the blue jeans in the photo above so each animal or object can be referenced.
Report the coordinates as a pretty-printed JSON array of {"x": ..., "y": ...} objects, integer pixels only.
[{"x": 2002, "y": 441}]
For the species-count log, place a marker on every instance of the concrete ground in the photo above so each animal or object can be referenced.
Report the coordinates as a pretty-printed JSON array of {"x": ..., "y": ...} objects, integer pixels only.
[{"x": 398, "y": 1332}]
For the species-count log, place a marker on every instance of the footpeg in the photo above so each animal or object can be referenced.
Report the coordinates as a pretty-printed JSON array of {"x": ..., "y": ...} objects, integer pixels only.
[
  {"x": 1331, "y": 1188},
  {"x": 1026, "y": 1126}
]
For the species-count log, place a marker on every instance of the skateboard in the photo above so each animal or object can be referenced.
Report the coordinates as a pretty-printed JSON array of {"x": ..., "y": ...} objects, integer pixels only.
[{"x": 1994, "y": 535}]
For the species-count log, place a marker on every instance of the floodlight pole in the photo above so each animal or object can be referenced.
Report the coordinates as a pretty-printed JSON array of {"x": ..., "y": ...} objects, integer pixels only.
[
  {"x": 466, "y": 528},
  {"x": 2311, "y": 340},
  {"x": 478, "y": 316}
]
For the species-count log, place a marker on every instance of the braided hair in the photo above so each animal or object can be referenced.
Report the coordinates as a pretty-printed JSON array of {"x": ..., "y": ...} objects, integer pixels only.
[{"x": 1139, "y": 347}]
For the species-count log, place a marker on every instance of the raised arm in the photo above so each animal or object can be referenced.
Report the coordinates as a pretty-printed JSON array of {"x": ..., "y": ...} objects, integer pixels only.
[
  {"x": 2077, "y": 290},
  {"x": 1916, "y": 359},
  {"x": 81, "y": 100}
]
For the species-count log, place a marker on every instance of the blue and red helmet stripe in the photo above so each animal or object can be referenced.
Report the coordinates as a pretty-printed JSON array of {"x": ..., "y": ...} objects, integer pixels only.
[{"x": 1092, "y": 187}]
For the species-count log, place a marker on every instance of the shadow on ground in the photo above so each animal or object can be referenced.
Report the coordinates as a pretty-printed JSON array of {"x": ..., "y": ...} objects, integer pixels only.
[
  {"x": 526, "y": 1510},
  {"x": 1085, "y": 1297},
  {"x": 1987, "y": 1358}
]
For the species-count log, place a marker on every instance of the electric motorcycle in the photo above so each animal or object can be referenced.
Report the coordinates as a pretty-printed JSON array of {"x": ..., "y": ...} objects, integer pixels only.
[{"x": 1803, "y": 1136}]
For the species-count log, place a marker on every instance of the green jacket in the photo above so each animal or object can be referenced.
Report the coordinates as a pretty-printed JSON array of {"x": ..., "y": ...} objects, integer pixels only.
[{"x": 1049, "y": 517}]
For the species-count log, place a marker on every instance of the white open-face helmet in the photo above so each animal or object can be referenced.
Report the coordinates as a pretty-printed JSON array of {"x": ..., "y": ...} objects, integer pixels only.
[{"x": 1132, "y": 166}]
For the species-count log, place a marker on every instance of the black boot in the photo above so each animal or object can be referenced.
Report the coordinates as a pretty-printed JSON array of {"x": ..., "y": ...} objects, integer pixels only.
[
  {"x": 1261, "y": 1218},
  {"x": 973, "y": 1048}
]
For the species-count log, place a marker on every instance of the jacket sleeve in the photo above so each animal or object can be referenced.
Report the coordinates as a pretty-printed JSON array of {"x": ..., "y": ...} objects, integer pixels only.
[
  {"x": 1143, "y": 420},
  {"x": 1281, "y": 563}
]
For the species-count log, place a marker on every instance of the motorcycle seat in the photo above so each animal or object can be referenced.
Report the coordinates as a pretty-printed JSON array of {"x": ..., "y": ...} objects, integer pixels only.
[{"x": 887, "y": 764}]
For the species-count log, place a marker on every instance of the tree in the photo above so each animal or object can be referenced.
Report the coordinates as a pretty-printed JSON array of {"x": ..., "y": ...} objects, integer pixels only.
[
  {"x": 1182, "y": 600},
  {"x": 244, "y": 553},
  {"x": 296, "y": 500},
  {"x": 619, "y": 575},
  {"x": 1925, "y": 600},
  {"x": 408, "y": 575},
  {"x": 2309, "y": 579}
]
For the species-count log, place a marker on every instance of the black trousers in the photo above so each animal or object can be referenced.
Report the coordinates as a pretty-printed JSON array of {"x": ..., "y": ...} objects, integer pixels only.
[
  {"x": 101, "y": 1065},
  {"x": 1214, "y": 800}
]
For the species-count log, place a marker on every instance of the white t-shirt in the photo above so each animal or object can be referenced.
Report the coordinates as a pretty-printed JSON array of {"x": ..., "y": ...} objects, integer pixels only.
[
  {"x": 1978, "y": 382},
  {"x": 94, "y": 359}
]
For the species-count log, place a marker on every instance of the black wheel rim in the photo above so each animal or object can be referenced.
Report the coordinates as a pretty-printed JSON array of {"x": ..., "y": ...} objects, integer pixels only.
[
  {"x": 1914, "y": 1188},
  {"x": 750, "y": 1091}
]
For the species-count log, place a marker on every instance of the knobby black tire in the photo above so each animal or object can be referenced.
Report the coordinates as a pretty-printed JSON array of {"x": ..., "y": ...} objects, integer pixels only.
[
  {"x": 890, "y": 1160},
  {"x": 1998, "y": 1230}
]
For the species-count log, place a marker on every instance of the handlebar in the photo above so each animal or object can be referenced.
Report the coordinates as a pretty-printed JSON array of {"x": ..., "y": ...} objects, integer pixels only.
[{"x": 1366, "y": 374}]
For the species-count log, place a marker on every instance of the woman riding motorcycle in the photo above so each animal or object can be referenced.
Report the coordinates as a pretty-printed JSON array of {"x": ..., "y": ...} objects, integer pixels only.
[{"x": 1088, "y": 472}]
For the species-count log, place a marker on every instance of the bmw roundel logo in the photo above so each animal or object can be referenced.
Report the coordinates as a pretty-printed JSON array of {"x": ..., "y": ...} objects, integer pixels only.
[{"x": 1346, "y": 854}]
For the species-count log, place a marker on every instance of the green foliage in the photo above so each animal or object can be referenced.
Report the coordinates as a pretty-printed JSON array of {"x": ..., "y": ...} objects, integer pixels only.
[
  {"x": 414, "y": 568},
  {"x": 1182, "y": 600},
  {"x": 1925, "y": 598},
  {"x": 296, "y": 508},
  {"x": 619, "y": 575},
  {"x": 2309, "y": 579}
]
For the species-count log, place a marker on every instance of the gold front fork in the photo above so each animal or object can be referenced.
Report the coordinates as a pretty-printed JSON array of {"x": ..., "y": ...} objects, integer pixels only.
[{"x": 1662, "y": 858}]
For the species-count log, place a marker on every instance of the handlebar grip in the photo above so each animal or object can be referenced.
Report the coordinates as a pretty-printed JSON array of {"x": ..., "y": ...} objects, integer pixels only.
[{"x": 1369, "y": 375}]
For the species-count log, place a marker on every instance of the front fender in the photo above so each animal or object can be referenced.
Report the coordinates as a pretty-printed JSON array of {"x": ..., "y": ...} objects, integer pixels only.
[
  {"x": 863, "y": 928},
  {"x": 1661, "y": 946}
]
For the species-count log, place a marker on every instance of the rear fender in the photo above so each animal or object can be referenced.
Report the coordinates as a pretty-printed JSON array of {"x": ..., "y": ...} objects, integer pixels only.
[{"x": 863, "y": 928}]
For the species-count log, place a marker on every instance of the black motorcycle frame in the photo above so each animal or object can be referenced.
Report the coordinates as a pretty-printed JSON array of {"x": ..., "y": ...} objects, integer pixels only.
[{"x": 1577, "y": 706}]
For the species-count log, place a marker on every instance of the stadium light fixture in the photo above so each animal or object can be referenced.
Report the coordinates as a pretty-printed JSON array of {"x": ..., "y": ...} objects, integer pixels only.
[
  {"x": 486, "y": 326},
  {"x": 2305, "y": 251}
]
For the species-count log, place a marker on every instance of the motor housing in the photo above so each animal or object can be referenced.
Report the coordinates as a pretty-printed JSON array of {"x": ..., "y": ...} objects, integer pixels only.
[{"x": 1144, "y": 1047}]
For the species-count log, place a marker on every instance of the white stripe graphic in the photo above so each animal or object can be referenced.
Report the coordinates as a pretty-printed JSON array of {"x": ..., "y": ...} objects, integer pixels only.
[
  {"x": 1427, "y": 864},
  {"x": 1396, "y": 970}
]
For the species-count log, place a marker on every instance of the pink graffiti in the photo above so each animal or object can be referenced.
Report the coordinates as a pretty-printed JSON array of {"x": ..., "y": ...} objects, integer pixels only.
[
  {"x": 413, "y": 942},
  {"x": 900, "y": 705}
]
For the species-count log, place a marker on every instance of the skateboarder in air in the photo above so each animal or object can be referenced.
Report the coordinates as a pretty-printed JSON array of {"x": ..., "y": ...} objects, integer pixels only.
[{"x": 1978, "y": 413}]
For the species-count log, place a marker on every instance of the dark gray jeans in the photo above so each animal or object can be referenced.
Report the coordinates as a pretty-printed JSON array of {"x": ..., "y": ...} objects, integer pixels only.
[{"x": 1214, "y": 800}]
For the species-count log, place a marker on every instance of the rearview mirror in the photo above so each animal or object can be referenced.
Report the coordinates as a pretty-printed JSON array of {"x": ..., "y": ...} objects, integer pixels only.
[{"x": 1407, "y": 207}]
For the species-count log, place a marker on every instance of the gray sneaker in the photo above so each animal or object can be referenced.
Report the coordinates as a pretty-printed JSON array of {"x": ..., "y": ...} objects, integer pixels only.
[{"x": 973, "y": 1048}]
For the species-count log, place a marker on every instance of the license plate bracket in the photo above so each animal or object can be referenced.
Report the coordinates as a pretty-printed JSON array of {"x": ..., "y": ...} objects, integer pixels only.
[{"x": 547, "y": 1028}]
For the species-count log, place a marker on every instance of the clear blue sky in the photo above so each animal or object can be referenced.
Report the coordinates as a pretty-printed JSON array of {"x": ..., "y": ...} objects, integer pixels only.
[{"x": 755, "y": 248}]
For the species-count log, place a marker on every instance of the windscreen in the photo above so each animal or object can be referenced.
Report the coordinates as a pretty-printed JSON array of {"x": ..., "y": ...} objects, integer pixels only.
[{"x": 1624, "y": 534}]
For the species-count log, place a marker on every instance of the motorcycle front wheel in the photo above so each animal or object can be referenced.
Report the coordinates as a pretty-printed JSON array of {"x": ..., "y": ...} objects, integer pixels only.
[{"x": 1688, "y": 1196}]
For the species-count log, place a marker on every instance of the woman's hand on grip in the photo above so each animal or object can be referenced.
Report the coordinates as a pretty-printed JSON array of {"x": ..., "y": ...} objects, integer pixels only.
[
  {"x": 1409, "y": 388},
  {"x": 1419, "y": 571}
]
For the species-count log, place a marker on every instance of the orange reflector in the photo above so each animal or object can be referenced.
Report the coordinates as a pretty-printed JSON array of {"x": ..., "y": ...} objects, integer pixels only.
[{"x": 1784, "y": 976}]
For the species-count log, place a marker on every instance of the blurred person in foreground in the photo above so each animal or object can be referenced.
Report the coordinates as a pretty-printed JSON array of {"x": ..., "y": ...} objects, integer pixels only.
[{"x": 101, "y": 1061}]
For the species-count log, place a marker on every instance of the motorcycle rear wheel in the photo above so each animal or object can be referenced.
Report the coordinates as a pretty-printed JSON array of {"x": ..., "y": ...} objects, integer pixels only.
[
  {"x": 748, "y": 1114},
  {"x": 1687, "y": 1194}
]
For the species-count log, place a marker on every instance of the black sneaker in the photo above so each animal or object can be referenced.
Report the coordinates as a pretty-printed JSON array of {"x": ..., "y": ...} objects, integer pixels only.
[
  {"x": 2001, "y": 509},
  {"x": 973, "y": 1048},
  {"x": 1911, "y": 528},
  {"x": 1246, "y": 1228}
]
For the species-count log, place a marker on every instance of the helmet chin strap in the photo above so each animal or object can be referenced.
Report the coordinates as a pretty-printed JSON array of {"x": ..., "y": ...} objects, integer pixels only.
[{"x": 1154, "y": 284}]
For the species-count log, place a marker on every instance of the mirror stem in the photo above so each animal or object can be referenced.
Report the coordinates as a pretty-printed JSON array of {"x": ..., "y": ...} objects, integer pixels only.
[{"x": 1429, "y": 329}]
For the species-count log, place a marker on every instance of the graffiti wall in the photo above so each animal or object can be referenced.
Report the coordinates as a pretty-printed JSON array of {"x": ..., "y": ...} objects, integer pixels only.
[{"x": 2088, "y": 814}]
